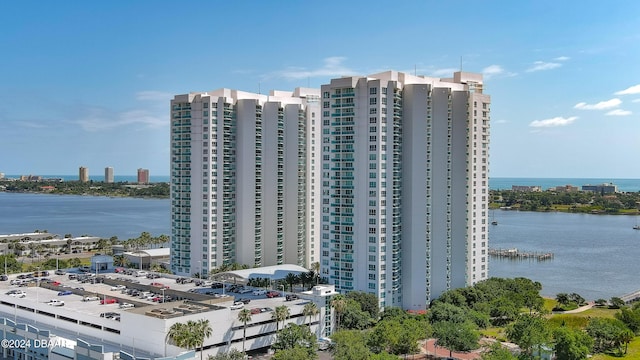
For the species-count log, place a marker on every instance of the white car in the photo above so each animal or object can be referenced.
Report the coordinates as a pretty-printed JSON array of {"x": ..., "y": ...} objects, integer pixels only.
[
  {"x": 91, "y": 298},
  {"x": 244, "y": 291},
  {"x": 118, "y": 287},
  {"x": 259, "y": 292},
  {"x": 55, "y": 302},
  {"x": 237, "y": 305},
  {"x": 17, "y": 293},
  {"x": 126, "y": 306}
]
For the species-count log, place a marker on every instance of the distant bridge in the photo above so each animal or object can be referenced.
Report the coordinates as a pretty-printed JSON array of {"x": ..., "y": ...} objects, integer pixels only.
[{"x": 631, "y": 297}]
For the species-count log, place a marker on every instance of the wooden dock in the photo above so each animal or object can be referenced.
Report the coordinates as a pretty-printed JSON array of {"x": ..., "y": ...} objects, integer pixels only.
[{"x": 515, "y": 254}]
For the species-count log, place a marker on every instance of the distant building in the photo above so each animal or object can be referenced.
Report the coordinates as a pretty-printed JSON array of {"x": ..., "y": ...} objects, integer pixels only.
[
  {"x": 565, "y": 188},
  {"x": 606, "y": 188},
  {"x": 143, "y": 176},
  {"x": 83, "y": 174},
  {"x": 108, "y": 175},
  {"x": 526, "y": 188},
  {"x": 1, "y": 176},
  {"x": 30, "y": 178}
]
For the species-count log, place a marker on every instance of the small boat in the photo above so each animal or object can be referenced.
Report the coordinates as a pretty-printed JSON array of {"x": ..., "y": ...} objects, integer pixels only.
[
  {"x": 494, "y": 222},
  {"x": 636, "y": 227}
]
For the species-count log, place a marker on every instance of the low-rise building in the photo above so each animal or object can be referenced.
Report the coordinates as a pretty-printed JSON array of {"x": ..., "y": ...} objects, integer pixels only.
[{"x": 606, "y": 188}]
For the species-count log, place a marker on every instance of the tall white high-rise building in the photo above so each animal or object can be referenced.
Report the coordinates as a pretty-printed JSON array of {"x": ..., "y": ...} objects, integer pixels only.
[
  {"x": 244, "y": 179},
  {"x": 108, "y": 175},
  {"x": 404, "y": 185}
]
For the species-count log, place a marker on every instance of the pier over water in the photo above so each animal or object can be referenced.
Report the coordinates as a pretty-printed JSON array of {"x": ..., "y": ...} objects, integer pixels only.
[{"x": 515, "y": 254}]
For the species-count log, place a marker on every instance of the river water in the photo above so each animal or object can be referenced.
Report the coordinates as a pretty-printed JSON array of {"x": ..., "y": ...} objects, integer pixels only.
[{"x": 596, "y": 256}]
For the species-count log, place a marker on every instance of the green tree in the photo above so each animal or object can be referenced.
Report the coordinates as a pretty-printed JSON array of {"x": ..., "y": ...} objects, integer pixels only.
[
  {"x": 203, "y": 330},
  {"x": 281, "y": 313},
  {"x": 616, "y": 303},
  {"x": 368, "y": 302},
  {"x": 354, "y": 318},
  {"x": 498, "y": 352},
  {"x": 571, "y": 344},
  {"x": 631, "y": 318},
  {"x": 529, "y": 331},
  {"x": 350, "y": 345},
  {"x": 296, "y": 353},
  {"x": 75, "y": 262},
  {"x": 291, "y": 279},
  {"x": 456, "y": 336},
  {"x": 339, "y": 305},
  {"x": 310, "y": 309},
  {"x": 231, "y": 355},
  {"x": 244, "y": 316},
  {"x": 294, "y": 335},
  {"x": 11, "y": 264}
]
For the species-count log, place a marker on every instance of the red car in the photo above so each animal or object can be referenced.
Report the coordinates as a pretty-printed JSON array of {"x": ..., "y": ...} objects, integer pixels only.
[
  {"x": 272, "y": 294},
  {"x": 160, "y": 285},
  {"x": 108, "y": 301}
]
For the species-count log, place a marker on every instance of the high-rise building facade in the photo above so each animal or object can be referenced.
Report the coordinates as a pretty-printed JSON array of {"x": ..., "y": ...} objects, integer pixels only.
[
  {"x": 244, "y": 179},
  {"x": 143, "y": 176},
  {"x": 83, "y": 174},
  {"x": 108, "y": 175},
  {"x": 404, "y": 185}
]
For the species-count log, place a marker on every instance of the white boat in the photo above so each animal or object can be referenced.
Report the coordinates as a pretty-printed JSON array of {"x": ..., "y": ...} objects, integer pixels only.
[{"x": 636, "y": 227}]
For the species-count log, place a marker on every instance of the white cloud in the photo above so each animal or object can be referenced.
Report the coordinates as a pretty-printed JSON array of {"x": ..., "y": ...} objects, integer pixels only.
[
  {"x": 635, "y": 100},
  {"x": 602, "y": 105},
  {"x": 492, "y": 70},
  {"x": 562, "y": 58},
  {"x": 542, "y": 65},
  {"x": 635, "y": 89},
  {"x": 332, "y": 67},
  {"x": 553, "y": 122},
  {"x": 153, "y": 95},
  {"x": 618, "y": 112},
  {"x": 97, "y": 119}
]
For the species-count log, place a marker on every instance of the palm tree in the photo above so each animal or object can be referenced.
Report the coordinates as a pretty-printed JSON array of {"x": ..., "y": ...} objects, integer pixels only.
[
  {"x": 244, "y": 316},
  {"x": 291, "y": 279},
  {"x": 280, "y": 314},
  {"x": 339, "y": 305},
  {"x": 310, "y": 309},
  {"x": 203, "y": 330},
  {"x": 176, "y": 335}
]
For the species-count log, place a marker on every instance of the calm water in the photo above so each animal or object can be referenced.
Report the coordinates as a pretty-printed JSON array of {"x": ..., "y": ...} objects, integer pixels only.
[
  {"x": 78, "y": 215},
  {"x": 597, "y": 256}
]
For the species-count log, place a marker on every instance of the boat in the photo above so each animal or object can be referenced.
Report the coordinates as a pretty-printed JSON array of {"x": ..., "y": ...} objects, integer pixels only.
[
  {"x": 493, "y": 220},
  {"x": 636, "y": 227}
]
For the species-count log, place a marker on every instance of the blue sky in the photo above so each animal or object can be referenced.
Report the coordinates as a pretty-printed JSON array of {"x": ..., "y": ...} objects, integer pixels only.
[{"x": 88, "y": 82}]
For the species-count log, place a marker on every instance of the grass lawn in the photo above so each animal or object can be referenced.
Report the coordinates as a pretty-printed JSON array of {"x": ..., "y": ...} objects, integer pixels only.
[
  {"x": 494, "y": 332},
  {"x": 632, "y": 353}
]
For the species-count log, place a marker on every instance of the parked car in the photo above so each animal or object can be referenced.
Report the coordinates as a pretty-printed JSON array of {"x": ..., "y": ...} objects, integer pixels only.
[
  {"x": 4, "y": 278},
  {"x": 118, "y": 270},
  {"x": 66, "y": 292},
  {"x": 255, "y": 311},
  {"x": 160, "y": 285},
  {"x": 272, "y": 294},
  {"x": 217, "y": 285},
  {"x": 109, "y": 315},
  {"x": 60, "y": 272},
  {"x": 141, "y": 273},
  {"x": 244, "y": 290},
  {"x": 237, "y": 305},
  {"x": 108, "y": 301},
  {"x": 259, "y": 292},
  {"x": 91, "y": 298},
  {"x": 17, "y": 293},
  {"x": 73, "y": 276},
  {"x": 153, "y": 276},
  {"x": 244, "y": 300},
  {"x": 55, "y": 302},
  {"x": 126, "y": 306},
  {"x": 291, "y": 297},
  {"x": 118, "y": 287}
]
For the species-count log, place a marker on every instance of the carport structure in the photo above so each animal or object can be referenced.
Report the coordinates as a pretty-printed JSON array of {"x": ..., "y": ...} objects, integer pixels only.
[{"x": 275, "y": 272}]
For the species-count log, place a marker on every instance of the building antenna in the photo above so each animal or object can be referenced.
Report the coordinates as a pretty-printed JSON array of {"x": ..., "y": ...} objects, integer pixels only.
[
  {"x": 259, "y": 88},
  {"x": 460, "y": 63},
  {"x": 415, "y": 70}
]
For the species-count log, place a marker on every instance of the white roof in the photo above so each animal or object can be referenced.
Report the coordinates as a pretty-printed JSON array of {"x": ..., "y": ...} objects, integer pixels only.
[
  {"x": 274, "y": 272},
  {"x": 160, "y": 252}
]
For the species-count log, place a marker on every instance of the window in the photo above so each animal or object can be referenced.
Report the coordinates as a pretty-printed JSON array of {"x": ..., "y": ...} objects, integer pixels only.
[
  {"x": 373, "y": 101},
  {"x": 373, "y": 91}
]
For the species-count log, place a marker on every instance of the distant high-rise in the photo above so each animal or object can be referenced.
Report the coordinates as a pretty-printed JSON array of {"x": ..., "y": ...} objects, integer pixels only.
[
  {"x": 108, "y": 175},
  {"x": 404, "y": 185},
  {"x": 83, "y": 174},
  {"x": 244, "y": 187},
  {"x": 143, "y": 176}
]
